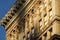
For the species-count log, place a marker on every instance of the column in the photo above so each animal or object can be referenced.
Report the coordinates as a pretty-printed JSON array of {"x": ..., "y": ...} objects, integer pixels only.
[
  {"x": 48, "y": 14},
  {"x": 26, "y": 25},
  {"x": 48, "y": 34},
  {"x": 43, "y": 24},
  {"x": 43, "y": 38},
  {"x": 30, "y": 21},
  {"x": 37, "y": 21}
]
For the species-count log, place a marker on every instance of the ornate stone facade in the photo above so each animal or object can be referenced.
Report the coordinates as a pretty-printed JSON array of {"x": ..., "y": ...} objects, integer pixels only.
[{"x": 33, "y": 20}]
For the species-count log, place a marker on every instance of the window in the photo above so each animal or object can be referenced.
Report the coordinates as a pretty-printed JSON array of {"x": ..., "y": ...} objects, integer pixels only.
[
  {"x": 40, "y": 24},
  {"x": 24, "y": 38},
  {"x": 10, "y": 35},
  {"x": 32, "y": 11},
  {"x": 45, "y": 35},
  {"x": 50, "y": 13},
  {"x": 40, "y": 38},
  {"x": 14, "y": 31},
  {"x": 32, "y": 30},
  {"x": 28, "y": 35},
  {"x": 50, "y": 9},
  {"x": 50, "y": 32},
  {"x": 28, "y": 15},
  {"x": 39, "y": 2},
  {"x": 45, "y": 16}
]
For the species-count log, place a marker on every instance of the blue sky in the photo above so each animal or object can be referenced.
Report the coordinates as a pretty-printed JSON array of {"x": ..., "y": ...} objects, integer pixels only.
[{"x": 5, "y": 5}]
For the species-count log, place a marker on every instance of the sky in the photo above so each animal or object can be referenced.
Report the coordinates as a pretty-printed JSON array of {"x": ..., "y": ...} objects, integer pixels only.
[{"x": 5, "y": 5}]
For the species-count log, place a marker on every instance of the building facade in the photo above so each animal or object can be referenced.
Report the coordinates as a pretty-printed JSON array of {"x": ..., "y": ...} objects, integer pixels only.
[{"x": 33, "y": 20}]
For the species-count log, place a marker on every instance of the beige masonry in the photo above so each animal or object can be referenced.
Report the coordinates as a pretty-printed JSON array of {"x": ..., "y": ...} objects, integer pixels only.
[{"x": 33, "y": 20}]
